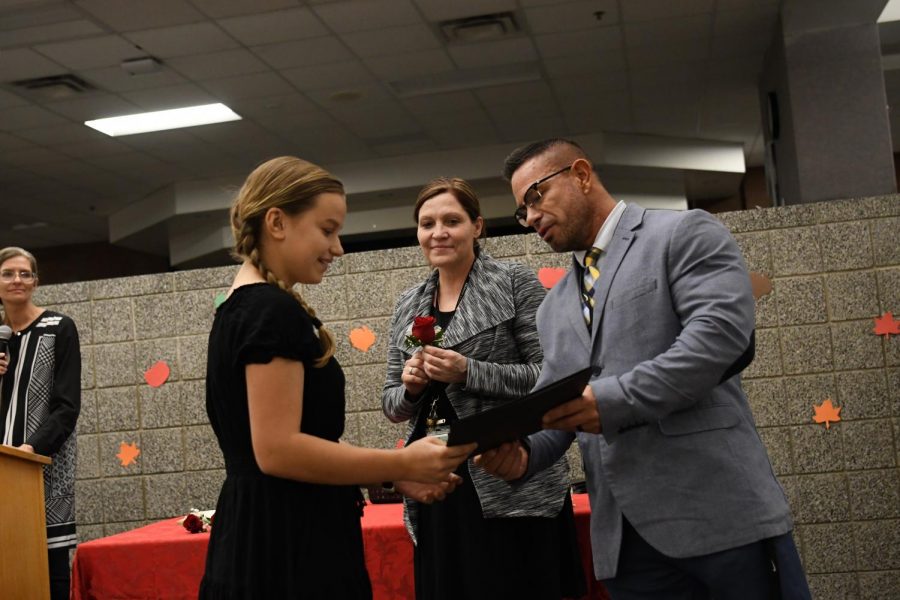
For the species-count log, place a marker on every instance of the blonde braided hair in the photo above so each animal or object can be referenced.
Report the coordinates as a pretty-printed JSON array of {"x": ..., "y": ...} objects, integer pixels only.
[{"x": 291, "y": 184}]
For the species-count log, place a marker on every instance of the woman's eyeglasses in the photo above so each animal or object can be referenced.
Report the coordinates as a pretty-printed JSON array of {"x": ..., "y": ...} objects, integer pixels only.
[{"x": 8, "y": 276}]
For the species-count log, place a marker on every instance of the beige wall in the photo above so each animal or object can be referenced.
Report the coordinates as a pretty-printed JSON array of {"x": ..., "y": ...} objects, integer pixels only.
[{"x": 834, "y": 267}]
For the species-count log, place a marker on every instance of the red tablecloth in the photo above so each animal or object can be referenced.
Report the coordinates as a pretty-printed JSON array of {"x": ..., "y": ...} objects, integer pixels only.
[{"x": 163, "y": 560}]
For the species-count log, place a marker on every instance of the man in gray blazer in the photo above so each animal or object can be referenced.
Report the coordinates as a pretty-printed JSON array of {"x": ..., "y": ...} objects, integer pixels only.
[{"x": 684, "y": 503}]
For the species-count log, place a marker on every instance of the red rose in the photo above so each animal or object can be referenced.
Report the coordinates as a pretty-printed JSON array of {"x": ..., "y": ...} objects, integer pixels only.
[
  {"x": 193, "y": 523},
  {"x": 423, "y": 328}
]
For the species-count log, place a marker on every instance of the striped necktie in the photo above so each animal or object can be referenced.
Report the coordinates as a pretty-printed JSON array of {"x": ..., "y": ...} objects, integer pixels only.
[{"x": 591, "y": 275}]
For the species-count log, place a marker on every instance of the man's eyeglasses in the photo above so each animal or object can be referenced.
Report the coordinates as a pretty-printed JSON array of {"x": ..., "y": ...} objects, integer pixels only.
[
  {"x": 8, "y": 276},
  {"x": 533, "y": 196}
]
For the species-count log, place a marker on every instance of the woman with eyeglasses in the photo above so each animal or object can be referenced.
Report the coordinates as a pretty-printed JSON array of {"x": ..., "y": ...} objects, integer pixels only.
[{"x": 40, "y": 398}]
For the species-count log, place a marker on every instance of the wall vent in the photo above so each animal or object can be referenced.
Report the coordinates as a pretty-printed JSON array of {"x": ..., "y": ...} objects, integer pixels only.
[
  {"x": 480, "y": 28},
  {"x": 54, "y": 87}
]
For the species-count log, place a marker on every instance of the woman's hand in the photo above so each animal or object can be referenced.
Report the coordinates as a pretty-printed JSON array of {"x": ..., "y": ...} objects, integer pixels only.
[
  {"x": 426, "y": 493},
  {"x": 26, "y": 448},
  {"x": 429, "y": 460},
  {"x": 413, "y": 376},
  {"x": 4, "y": 363},
  {"x": 444, "y": 365}
]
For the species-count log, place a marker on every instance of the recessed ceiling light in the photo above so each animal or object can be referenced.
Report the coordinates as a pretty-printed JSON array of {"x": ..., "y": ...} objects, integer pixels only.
[{"x": 161, "y": 120}]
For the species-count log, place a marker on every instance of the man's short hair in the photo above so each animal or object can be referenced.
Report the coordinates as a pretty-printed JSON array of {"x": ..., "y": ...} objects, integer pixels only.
[{"x": 524, "y": 153}]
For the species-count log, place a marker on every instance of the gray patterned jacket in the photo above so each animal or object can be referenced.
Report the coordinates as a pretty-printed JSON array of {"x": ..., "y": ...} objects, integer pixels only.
[{"x": 494, "y": 328}]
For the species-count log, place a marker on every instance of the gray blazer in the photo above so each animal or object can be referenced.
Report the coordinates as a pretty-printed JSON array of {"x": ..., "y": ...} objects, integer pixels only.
[
  {"x": 494, "y": 328},
  {"x": 679, "y": 454}
]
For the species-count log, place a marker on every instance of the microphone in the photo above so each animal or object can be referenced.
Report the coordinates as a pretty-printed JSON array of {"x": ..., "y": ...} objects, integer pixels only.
[{"x": 5, "y": 334}]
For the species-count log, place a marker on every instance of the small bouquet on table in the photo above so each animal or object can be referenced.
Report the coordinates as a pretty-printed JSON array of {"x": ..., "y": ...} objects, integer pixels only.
[{"x": 198, "y": 521}]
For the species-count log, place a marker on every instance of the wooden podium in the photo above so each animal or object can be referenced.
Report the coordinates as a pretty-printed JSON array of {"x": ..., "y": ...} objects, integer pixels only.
[{"x": 23, "y": 529}]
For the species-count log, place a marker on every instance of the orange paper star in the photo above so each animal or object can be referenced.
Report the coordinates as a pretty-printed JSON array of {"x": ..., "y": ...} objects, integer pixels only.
[
  {"x": 886, "y": 325},
  {"x": 128, "y": 453},
  {"x": 827, "y": 413}
]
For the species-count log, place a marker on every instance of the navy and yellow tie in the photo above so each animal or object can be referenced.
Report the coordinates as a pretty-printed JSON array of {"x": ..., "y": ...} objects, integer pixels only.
[{"x": 591, "y": 275}]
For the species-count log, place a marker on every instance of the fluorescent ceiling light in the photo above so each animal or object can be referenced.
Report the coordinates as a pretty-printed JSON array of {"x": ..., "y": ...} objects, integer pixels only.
[
  {"x": 891, "y": 12},
  {"x": 164, "y": 119}
]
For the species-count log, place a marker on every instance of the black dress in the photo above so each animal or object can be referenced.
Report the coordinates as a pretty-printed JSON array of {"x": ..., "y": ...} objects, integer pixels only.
[
  {"x": 273, "y": 537},
  {"x": 460, "y": 554}
]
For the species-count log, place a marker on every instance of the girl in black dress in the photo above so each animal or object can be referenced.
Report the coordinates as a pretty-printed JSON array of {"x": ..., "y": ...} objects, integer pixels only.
[{"x": 287, "y": 520}]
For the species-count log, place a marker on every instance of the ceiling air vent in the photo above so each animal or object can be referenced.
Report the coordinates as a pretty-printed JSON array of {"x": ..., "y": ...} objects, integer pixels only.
[
  {"x": 55, "y": 87},
  {"x": 480, "y": 28}
]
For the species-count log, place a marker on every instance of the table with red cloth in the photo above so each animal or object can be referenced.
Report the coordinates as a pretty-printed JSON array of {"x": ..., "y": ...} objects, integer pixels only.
[{"x": 163, "y": 560}]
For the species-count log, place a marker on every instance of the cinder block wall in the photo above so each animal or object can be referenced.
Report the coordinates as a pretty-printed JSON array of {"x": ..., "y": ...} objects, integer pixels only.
[{"x": 834, "y": 266}]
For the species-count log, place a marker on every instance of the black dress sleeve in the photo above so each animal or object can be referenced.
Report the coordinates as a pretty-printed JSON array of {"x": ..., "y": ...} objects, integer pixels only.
[
  {"x": 274, "y": 324},
  {"x": 65, "y": 397}
]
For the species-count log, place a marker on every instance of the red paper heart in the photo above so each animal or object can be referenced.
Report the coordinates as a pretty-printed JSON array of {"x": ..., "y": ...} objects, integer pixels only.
[
  {"x": 156, "y": 375},
  {"x": 550, "y": 276}
]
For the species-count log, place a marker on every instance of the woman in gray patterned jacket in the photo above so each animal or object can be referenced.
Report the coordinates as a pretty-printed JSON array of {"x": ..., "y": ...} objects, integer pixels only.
[{"x": 486, "y": 539}]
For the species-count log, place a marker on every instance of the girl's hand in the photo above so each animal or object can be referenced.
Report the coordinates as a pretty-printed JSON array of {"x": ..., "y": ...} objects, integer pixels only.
[
  {"x": 426, "y": 493},
  {"x": 4, "y": 363},
  {"x": 444, "y": 365},
  {"x": 429, "y": 460}
]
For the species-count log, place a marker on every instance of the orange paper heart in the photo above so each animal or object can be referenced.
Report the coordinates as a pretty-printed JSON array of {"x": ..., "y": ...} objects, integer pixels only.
[
  {"x": 550, "y": 276},
  {"x": 362, "y": 338},
  {"x": 156, "y": 375}
]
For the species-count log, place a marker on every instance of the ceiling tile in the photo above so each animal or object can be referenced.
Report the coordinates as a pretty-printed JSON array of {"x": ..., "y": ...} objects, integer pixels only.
[
  {"x": 279, "y": 26},
  {"x": 608, "y": 61},
  {"x": 375, "y": 120},
  {"x": 489, "y": 54},
  {"x": 23, "y": 63},
  {"x": 254, "y": 85},
  {"x": 724, "y": 48},
  {"x": 8, "y": 99},
  {"x": 18, "y": 118},
  {"x": 95, "y": 106},
  {"x": 759, "y": 20},
  {"x": 532, "y": 92},
  {"x": 528, "y": 129},
  {"x": 372, "y": 93},
  {"x": 571, "y": 17},
  {"x": 91, "y": 53},
  {"x": 131, "y": 15},
  {"x": 668, "y": 31},
  {"x": 592, "y": 113},
  {"x": 393, "y": 40},
  {"x": 404, "y": 66},
  {"x": 176, "y": 96},
  {"x": 60, "y": 134},
  {"x": 646, "y": 10},
  {"x": 360, "y": 15},
  {"x": 98, "y": 148},
  {"x": 48, "y": 33},
  {"x": 25, "y": 157},
  {"x": 286, "y": 109},
  {"x": 301, "y": 53},
  {"x": 604, "y": 84},
  {"x": 217, "y": 65},
  {"x": 181, "y": 40},
  {"x": 660, "y": 78},
  {"x": 592, "y": 41},
  {"x": 345, "y": 75},
  {"x": 11, "y": 142},
  {"x": 438, "y": 104},
  {"x": 117, "y": 79},
  {"x": 654, "y": 56},
  {"x": 441, "y": 10},
  {"x": 230, "y": 8}
]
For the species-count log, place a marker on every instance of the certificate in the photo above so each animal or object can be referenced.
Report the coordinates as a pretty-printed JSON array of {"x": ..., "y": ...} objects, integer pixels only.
[{"x": 519, "y": 418}]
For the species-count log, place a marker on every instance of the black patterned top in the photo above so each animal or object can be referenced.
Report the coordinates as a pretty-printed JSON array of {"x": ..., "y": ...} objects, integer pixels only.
[{"x": 40, "y": 398}]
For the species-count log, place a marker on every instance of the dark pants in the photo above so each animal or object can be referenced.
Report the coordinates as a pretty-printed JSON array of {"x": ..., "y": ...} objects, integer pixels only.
[
  {"x": 743, "y": 573},
  {"x": 60, "y": 574}
]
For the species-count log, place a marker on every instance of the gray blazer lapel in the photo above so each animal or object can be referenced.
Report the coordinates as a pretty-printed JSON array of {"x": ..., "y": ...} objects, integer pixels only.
[
  {"x": 621, "y": 241},
  {"x": 486, "y": 302}
]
